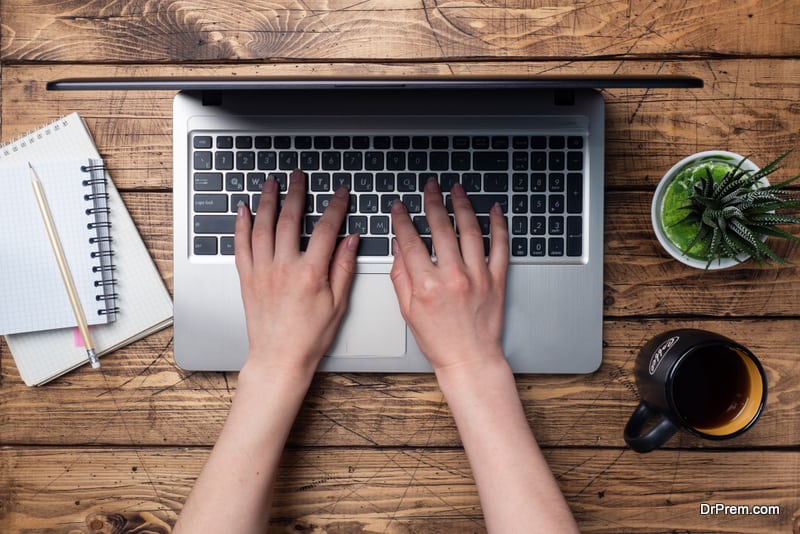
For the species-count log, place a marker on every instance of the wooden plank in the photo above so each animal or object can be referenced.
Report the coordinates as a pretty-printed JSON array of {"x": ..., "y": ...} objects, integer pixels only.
[
  {"x": 748, "y": 106},
  {"x": 640, "y": 278},
  {"x": 222, "y": 30},
  {"x": 60, "y": 490},
  {"x": 141, "y": 398}
]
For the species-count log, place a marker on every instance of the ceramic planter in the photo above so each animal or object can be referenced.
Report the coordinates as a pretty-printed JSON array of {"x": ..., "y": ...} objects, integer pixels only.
[{"x": 672, "y": 189}]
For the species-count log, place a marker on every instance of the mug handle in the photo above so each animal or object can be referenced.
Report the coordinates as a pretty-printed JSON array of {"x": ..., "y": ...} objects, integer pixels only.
[{"x": 655, "y": 437}]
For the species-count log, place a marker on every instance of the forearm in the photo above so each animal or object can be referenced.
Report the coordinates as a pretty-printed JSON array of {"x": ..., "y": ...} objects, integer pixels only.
[
  {"x": 234, "y": 490},
  {"x": 517, "y": 490}
]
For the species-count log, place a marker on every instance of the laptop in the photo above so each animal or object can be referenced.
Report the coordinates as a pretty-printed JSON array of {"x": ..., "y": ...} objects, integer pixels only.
[{"x": 535, "y": 145}]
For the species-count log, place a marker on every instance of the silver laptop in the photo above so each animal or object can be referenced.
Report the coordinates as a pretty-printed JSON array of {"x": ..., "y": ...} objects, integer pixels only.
[{"x": 533, "y": 145}]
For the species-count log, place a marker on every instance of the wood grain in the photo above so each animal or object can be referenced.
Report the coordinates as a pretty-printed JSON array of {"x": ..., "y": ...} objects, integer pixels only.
[
  {"x": 251, "y": 30},
  {"x": 99, "y": 490},
  {"x": 141, "y": 398},
  {"x": 747, "y": 106}
]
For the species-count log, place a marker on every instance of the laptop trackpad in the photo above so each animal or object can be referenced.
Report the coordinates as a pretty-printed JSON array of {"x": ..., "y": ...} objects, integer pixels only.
[{"x": 373, "y": 325}]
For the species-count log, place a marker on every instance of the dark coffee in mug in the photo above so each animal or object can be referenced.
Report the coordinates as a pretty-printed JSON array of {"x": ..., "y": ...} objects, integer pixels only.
[{"x": 697, "y": 380}]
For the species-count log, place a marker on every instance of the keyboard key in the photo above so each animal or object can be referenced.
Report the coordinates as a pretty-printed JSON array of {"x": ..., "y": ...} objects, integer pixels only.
[
  {"x": 341, "y": 142},
  {"x": 555, "y": 225},
  {"x": 223, "y": 160},
  {"x": 387, "y": 201},
  {"x": 519, "y": 204},
  {"x": 440, "y": 142},
  {"x": 309, "y": 161},
  {"x": 555, "y": 246},
  {"x": 322, "y": 142},
  {"x": 439, "y": 161},
  {"x": 234, "y": 181},
  {"x": 421, "y": 224},
  {"x": 202, "y": 141},
  {"x": 266, "y": 161},
  {"x": 282, "y": 142},
  {"x": 287, "y": 161},
  {"x": 396, "y": 161},
  {"x": 202, "y": 161},
  {"x": 574, "y": 142},
  {"x": 460, "y": 142},
  {"x": 379, "y": 225},
  {"x": 214, "y": 224},
  {"x": 225, "y": 141},
  {"x": 368, "y": 203},
  {"x": 555, "y": 203},
  {"x": 460, "y": 161},
  {"x": 538, "y": 225},
  {"x": 574, "y": 193},
  {"x": 417, "y": 161},
  {"x": 574, "y": 161},
  {"x": 235, "y": 199},
  {"x": 480, "y": 142},
  {"x": 538, "y": 161},
  {"x": 331, "y": 161},
  {"x": 245, "y": 160},
  {"x": 519, "y": 182},
  {"x": 484, "y": 224},
  {"x": 320, "y": 181},
  {"x": 208, "y": 181},
  {"x": 538, "y": 204},
  {"x": 211, "y": 203},
  {"x": 263, "y": 142},
  {"x": 226, "y": 246},
  {"x": 352, "y": 161},
  {"x": 495, "y": 182},
  {"x": 205, "y": 246},
  {"x": 384, "y": 181},
  {"x": 538, "y": 247},
  {"x": 519, "y": 246},
  {"x": 519, "y": 142},
  {"x": 362, "y": 181},
  {"x": 556, "y": 182},
  {"x": 538, "y": 182},
  {"x": 499, "y": 142},
  {"x": 381, "y": 142},
  {"x": 538, "y": 141},
  {"x": 357, "y": 224},
  {"x": 471, "y": 181},
  {"x": 322, "y": 203},
  {"x": 556, "y": 142},
  {"x": 574, "y": 235},
  {"x": 342, "y": 179},
  {"x": 373, "y": 246},
  {"x": 373, "y": 161},
  {"x": 519, "y": 226},
  {"x": 401, "y": 142},
  {"x": 448, "y": 180},
  {"x": 406, "y": 181},
  {"x": 255, "y": 181},
  {"x": 413, "y": 203},
  {"x": 490, "y": 161},
  {"x": 419, "y": 142},
  {"x": 483, "y": 203},
  {"x": 244, "y": 142},
  {"x": 519, "y": 161},
  {"x": 556, "y": 161},
  {"x": 360, "y": 142}
]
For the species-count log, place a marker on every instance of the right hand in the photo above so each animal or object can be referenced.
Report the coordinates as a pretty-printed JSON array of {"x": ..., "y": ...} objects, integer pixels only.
[{"x": 454, "y": 306}]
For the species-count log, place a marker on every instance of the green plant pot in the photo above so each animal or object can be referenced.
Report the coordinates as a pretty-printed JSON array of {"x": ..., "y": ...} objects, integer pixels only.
[{"x": 673, "y": 192}]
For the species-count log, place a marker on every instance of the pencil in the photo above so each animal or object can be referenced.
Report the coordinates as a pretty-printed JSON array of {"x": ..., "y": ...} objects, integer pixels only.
[{"x": 63, "y": 268}]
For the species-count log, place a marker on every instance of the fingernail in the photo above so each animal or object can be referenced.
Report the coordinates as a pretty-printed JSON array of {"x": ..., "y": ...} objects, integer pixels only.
[
  {"x": 457, "y": 191},
  {"x": 398, "y": 207},
  {"x": 296, "y": 177},
  {"x": 432, "y": 185},
  {"x": 269, "y": 184},
  {"x": 341, "y": 192},
  {"x": 241, "y": 208},
  {"x": 352, "y": 242},
  {"x": 496, "y": 209}
]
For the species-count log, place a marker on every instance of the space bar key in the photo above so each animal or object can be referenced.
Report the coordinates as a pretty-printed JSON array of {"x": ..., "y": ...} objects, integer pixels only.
[{"x": 373, "y": 246}]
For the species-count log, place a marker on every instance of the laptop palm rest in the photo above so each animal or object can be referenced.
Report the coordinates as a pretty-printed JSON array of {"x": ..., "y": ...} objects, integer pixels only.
[{"x": 373, "y": 326}]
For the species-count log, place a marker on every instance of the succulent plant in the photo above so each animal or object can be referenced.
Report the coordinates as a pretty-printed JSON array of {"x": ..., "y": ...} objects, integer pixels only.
[{"x": 734, "y": 213}]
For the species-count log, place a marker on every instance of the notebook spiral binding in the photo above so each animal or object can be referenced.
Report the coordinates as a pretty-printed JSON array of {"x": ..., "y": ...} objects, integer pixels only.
[
  {"x": 103, "y": 252},
  {"x": 31, "y": 137}
]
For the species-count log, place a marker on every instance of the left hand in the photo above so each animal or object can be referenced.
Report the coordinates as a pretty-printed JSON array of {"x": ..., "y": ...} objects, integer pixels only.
[{"x": 294, "y": 301}]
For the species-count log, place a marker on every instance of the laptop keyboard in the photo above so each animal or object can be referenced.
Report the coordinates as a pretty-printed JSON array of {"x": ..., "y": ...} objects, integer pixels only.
[{"x": 537, "y": 180}]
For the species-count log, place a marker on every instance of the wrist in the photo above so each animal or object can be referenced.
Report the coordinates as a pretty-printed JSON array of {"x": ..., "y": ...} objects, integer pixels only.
[{"x": 473, "y": 371}]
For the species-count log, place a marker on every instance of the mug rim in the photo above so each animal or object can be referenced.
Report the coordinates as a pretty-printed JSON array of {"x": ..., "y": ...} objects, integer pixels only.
[{"x": 680, "y": 420}]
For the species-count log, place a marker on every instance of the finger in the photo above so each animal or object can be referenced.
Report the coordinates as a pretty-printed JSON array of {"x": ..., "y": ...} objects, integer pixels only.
[
  {"x": 287, "y": 232},
  {"x": 400, "y": 279},
  {"x": 415, "y": 253},
  {"x": 323, "y": 238},
  {"x": 343, "y": 268},
  {"x": 263, "y": 238},
  {"x": 469, "y": 232},
  {"x": 241, "y": 241},
  {"x": 498, "y": 252},
  {"x": 442, "y": 232}
]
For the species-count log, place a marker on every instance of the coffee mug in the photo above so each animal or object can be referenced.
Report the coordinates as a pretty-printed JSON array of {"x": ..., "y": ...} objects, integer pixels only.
[{"x": 697, "y": 380}]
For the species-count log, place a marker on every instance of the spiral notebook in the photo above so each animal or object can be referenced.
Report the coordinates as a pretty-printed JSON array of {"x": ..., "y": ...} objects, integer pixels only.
[{"x": 120, "y": 288}]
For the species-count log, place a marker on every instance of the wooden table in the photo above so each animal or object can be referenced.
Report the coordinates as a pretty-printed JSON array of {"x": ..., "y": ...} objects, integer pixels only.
[{"x": 120, "y": 449}]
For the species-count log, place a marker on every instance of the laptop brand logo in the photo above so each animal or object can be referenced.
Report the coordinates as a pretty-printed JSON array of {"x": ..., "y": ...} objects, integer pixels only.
[{"x": 661, "y": 352}]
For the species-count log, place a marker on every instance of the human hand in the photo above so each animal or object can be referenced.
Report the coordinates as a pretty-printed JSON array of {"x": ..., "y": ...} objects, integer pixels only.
[
  {"x": 293, "y": 300},
  {"x": 454, "y": 306}
]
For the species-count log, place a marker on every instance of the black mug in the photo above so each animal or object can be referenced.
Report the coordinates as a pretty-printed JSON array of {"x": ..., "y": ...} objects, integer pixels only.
[{"x": 700, "y": 381}]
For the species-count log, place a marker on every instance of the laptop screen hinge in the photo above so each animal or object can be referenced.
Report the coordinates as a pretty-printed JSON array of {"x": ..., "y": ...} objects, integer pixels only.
[
  {"x": 212, "y": 98},
  {"x": 564, "y": 97}
]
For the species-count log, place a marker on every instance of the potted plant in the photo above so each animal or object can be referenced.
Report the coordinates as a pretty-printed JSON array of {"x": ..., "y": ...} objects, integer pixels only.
[{"x": 715, "y": 209}]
